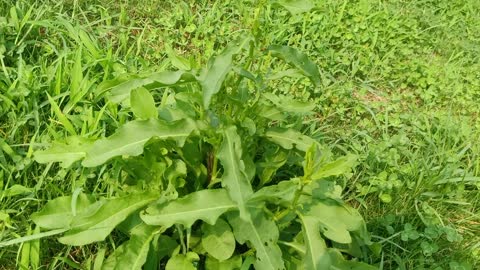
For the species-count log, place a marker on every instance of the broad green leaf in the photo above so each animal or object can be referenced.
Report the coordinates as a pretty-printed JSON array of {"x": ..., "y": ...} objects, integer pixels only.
[
  {"x": 120, "y": 88},
  {"x": 316, "y": 257},
  {"x": 180, "y": 261},
  {"x": 235, "y": 178},
  {"x": 290, "y": 105},
  {"x": 262, "y": 234},
  {"x": 15, "y": 190},
  {"x": 298, "y": 60},
  {"x": 58, "y": 214},
  {"x": 339, "y": 262},
  {"x": 131, "y": 138},
  {"x": 177, "y": 60},
  {"x": 295, "y": 6},
  {"x": 272, "y": 160},
  {"x": 218, "y": 240},
  {"x": 230, "y": 264},
  {"x": 142, "y": 103},
  {"x": 281, "y": 193},
  {"x": 75, "y": 148},
  {"x": 132, "y": 254},
  {"x": 214, "y": 74},
  {"x": 90, "y": 228},
  {"x": 338, "y": 167},
  {"x": 289, "y": 138},
  {"x": 336, "y": 221},
  {"x": 206, "y": 205}
]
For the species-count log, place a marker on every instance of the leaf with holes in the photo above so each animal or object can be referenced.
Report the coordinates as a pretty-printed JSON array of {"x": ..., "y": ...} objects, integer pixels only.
[{"x": 262, "y": 234}]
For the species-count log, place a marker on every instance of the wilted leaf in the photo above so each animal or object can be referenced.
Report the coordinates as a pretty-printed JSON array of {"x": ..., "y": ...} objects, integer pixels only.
[
  {"x": 298, "y": 60},
  {"x": 75, "y": 148},
  {"x": 234, "y": 177},
  {"x": 131, "y": 138},
  {"x": 262, "y": 234},
  {"x": 218, "y": 240},
  {"x": 289, "y": 138},
  {"x": 206, "y": 205},
  {"x": 90, "y": 228},
  {"x": 142, "y": 103}
]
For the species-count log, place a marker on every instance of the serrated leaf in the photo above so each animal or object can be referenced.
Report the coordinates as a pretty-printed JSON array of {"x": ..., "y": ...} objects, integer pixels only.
[
  {"x": 132, "y": 254},
  {"x": 74, "y": 149},
  {"x": 295, "y": 6},
  {"x": 58, "y": 214},
  {"x": 234, "y": 178},
  {"x": 298, "y": 60},
  {"x": 90, "y": 228},
  {"x": 218, "y": 67},
  {"x": 120, "y": 88},
  {"x": 336, "y": 221},
  {"x": 131, "y": 138},
  {"x": 262, "y": 234},
  {"x": 206, "y": 205},
  {"x": 143, "y": 104},
  {"x": 218, "y": 240},
  {"x": 316, "y": 257},
  {"x": 289, "y": 138}
]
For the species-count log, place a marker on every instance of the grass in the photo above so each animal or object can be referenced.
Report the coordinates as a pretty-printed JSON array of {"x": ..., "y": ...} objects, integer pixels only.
[{"x": 400, "y": 88}]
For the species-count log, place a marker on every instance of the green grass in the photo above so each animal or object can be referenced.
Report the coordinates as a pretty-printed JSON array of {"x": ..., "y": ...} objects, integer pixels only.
[{"x": 400, "y": 89}]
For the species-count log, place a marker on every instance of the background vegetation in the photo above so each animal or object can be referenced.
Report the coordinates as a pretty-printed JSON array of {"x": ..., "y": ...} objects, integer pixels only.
[{"x": 400, "y": 86}]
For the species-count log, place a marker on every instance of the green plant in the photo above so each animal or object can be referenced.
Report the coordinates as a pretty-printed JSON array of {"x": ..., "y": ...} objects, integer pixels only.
[{"x": 211, "y": 176}]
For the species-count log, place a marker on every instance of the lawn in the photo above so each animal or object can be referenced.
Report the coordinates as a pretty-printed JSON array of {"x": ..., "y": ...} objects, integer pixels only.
[{"x": 256, "y": 134}]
